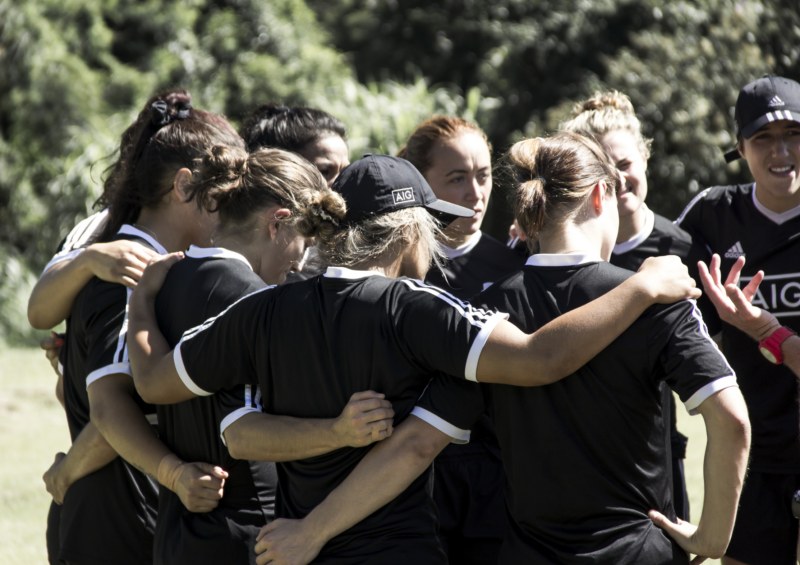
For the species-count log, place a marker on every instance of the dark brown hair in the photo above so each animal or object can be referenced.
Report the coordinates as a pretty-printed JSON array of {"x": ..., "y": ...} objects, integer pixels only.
[
  {"x": 552, "y": 175},
  {"x": 167, "y": 135}
]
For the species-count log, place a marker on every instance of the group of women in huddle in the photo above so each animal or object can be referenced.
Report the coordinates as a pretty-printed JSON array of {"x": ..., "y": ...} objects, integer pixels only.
[{"x": 222, "y": 414}]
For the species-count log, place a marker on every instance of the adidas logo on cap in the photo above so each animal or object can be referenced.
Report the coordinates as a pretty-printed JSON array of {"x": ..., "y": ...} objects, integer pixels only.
[
  {"x": 776, "y": 101},
  {"x": 735, "y": 251}
]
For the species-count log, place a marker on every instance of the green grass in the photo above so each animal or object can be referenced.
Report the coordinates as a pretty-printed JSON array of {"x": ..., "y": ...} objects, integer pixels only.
[{"x": 33, "y": 429}]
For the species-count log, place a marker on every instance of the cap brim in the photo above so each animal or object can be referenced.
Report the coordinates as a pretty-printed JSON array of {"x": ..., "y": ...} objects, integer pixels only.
[
  {"x": 774, "y": 116},
  {"x": 446, "y": 212}
]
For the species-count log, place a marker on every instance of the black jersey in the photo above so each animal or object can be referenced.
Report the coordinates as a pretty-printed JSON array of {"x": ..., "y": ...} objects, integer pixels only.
[
  {"x": 79, "y": 237},
  {"x": 202, "y": 285},
  {"x": 311, "y": 345},
  {"x": 470, "y": 269},
  {"x": 109, "y": 515},
  {"x": 586, "y": 457},
  {"x": 729, "y": 221},
  {"x": 662, "y": 237}
]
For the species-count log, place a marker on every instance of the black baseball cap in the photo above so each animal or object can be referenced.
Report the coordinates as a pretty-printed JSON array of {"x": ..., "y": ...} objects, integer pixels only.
[
  {"x": 379, "y": 184},
  {"x": 768, "y": 99}
]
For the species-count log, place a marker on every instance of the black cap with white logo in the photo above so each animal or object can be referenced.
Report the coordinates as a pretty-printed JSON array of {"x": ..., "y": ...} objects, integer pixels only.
[
  {"x": 768, "y": 99},
  {"x": 379, "y": 184}
]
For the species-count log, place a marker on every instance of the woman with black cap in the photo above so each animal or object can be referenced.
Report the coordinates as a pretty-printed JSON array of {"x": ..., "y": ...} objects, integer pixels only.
[
  {"x": 761, "y": 220},
  {"x": 365, "y": 325}
]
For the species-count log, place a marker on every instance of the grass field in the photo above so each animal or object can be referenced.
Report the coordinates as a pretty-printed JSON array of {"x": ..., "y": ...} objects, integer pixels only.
[{"x": 33, "y": 429}]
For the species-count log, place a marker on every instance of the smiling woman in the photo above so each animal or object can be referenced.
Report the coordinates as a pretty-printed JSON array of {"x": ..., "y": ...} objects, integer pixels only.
[{"x": 454, "y": 155}]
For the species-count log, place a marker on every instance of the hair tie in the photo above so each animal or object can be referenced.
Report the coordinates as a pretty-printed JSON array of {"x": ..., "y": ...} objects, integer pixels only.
[{"x": 161, "y": 115}]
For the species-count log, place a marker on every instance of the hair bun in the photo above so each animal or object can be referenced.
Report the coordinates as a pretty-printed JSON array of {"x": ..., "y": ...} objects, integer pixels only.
[{"x": 174, "y": 106}]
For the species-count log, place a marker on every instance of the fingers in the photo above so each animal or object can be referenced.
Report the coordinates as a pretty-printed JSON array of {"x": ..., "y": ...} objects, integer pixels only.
[
  {"x": 751, "y": 288},
  {"x": 53, "y": 341},
  {"x": 735, "y": 272},
  {"x": 268, "y": 528},
  {"x": 365, "y": 395}
]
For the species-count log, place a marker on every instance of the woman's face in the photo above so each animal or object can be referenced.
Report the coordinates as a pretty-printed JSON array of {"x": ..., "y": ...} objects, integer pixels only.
[
  {"x": 328, "y": 154},
  {"x": 284, "y": 254},
  {"x": 773, "y": 156},
  {"x": 461, "y": 173},
  {"x": 626, "y": 155}
]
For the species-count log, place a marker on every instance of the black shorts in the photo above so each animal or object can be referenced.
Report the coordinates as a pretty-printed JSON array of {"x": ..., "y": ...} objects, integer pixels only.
[{"x": 766, "y": 532}]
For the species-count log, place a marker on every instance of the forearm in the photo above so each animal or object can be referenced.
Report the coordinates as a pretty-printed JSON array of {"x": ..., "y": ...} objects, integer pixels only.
[
  {"x": 724, "y": 469},
  {"x": 119, "y": 418},
  {"x": 89, "y": 452},
  {"x": 791, "y": 354},
  {"x": 264, "y": 437},
  {"x": 387, "y": 470},
  {"x": 51, "y": 299}
]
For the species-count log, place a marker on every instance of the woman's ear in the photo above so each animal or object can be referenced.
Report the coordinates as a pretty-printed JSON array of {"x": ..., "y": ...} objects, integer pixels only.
[
  {"x": 598, "y": 196},
  {"x": 180, "y": 184},
  {"x": 274, "y": 218}
]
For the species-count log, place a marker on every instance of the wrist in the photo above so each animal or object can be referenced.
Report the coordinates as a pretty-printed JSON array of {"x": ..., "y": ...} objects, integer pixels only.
[
  {"x": 771, "y": 346},
  {"x": 168, "y": 469}
]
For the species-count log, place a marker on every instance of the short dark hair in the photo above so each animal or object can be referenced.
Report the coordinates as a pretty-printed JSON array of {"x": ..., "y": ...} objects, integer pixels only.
[{"x": 290, "y": 128}]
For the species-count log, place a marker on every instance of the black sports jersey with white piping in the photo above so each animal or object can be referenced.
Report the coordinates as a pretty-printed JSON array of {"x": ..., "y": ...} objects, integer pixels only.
[
  {"x": 202, "y": 285},
  {"x": 728, "y": 220},
  {"x": 586, "y": 457},
  {"x": 109, "y": 515},
  {"x": 311, "y": 345}
]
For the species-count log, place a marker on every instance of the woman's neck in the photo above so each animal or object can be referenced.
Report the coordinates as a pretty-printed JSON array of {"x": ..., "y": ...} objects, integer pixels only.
[
  {"x": 157, "y": 224},
  {"x": 631, "y": 225},
  {"x": 571, "y": 239}
]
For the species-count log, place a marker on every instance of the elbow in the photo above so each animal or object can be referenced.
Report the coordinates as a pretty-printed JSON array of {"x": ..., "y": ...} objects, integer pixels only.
[
  {"x": 236, "y": 447},
  {"x": 424, "y": 447},
  {"x": 146, "y": 390},
  {"x": 717, "y": 549},
  {"x": 38, "y": 319}
]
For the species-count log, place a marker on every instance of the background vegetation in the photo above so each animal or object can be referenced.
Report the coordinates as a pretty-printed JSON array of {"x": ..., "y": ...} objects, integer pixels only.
[{"x": 73, "y": 73}]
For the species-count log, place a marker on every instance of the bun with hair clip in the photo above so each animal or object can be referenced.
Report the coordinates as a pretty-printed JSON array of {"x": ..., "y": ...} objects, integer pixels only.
[{"x": 163, "y": 112}]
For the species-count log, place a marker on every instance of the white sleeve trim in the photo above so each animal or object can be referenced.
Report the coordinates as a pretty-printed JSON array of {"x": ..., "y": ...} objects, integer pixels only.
[
  {"x": 458, "y": 435},
  {"x": 233, "y": 417},
  {"x": 113, "y": 369},
  {"x": 470, "y": 371},
  {"x": 184, "y": 375},
  {"x": 711, "y": 388},
  {"x": 62, "y": 256}
]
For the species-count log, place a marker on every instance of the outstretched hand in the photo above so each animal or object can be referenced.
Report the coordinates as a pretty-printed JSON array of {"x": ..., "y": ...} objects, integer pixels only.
[
  {"x": 734, "y": 304},
  {"x": 683, "y": 533},
  {"x": 667, "y": 279},
  {"x": 285, "y": 542},
  {"x": 366, "y": 418}
]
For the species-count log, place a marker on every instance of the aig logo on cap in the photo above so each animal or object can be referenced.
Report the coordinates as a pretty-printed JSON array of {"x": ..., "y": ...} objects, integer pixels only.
[{"x": 403, "y": 195}]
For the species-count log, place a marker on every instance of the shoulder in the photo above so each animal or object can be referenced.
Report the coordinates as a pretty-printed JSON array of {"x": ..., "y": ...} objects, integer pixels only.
[
  {"x": 715, "y": 196},
  {"x": 498, "y": 252}
]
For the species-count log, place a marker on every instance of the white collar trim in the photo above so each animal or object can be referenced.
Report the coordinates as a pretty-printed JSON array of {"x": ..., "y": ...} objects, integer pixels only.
[
  {"x": 639, "y": 238},
  {"x": 128, "y": 229},
  {"x": 777, "y": 217},
  {"x": 352, "y": 274},
  {"x": 216, "y": 252},
  {"x": 453, "y": 252},
  {"x": 561, "y": 259}
]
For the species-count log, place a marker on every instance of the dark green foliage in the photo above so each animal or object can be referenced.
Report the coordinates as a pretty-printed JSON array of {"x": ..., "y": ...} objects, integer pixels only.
[{"x": 73, "y": 74}]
